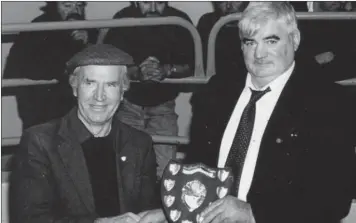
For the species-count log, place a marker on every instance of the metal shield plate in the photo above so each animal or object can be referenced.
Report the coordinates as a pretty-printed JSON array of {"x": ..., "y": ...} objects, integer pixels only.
[{"x": 186, "y": 189}]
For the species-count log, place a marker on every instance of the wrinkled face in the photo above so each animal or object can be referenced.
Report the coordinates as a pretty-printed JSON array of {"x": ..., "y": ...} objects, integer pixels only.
[
  {"x": 228, "y": 7},
  {"x": 99, "y": 93},
  {"x": 270, "y": 51},
  {"x": 152, "y": 9},
  {"x": 71, "y": 10}
]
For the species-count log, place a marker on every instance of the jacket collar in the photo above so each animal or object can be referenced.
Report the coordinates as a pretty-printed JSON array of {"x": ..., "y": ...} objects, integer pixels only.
[{"x": 71, "y": 133}]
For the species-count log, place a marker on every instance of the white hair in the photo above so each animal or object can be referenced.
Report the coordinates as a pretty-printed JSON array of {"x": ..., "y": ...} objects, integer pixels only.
[{"x": 258, "y": 14}]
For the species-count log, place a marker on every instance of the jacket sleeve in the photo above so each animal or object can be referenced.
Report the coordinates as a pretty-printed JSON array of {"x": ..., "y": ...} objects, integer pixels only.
[
  {"x": 149, "y": 194},
  {"x": 33, "y": 187}
]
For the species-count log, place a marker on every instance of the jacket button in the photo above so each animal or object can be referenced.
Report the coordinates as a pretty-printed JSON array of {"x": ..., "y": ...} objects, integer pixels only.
[{"x": 279, "y": 140}]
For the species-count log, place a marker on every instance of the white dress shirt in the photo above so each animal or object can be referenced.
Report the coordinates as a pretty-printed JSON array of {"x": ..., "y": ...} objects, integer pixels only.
[{"x": 264, "y": 108}]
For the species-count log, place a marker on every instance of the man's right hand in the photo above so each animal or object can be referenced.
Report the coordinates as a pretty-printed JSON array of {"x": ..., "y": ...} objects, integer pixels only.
[
  {"x": 152, "y": 70},
  {"x": 125, "y": 218}
]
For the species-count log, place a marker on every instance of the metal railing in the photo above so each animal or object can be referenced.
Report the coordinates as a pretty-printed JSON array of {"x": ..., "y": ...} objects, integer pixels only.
[
  {"x": 199, "y": 75},
  {"x": 210, "y": 67}
]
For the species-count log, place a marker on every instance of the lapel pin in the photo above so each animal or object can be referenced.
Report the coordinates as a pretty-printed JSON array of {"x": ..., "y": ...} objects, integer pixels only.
[
  {"x": 279, "y": 140},
  {"x": 123, "y": 158}
]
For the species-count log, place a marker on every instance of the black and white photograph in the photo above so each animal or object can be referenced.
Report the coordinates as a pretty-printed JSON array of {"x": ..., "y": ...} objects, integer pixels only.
[{"x": 178, "y": 111}]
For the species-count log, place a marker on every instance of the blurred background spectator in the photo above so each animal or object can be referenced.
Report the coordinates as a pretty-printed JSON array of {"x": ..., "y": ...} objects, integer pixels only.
[
  {"x": 159, "y": 52},
  {"x": 42, "y": 56}
]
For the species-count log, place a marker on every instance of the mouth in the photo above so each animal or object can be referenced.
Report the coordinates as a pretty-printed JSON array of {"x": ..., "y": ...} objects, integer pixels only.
[
  {"x": 98, "y": 107},
  {"x": 74, "y": 16},
  {"x": 262, "y": 63}
]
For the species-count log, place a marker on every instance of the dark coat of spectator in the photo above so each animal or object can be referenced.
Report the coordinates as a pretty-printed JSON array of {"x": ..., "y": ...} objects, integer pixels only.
[
  {"x": 42, "y": 55},
  {"x": 169, "y": 44}
]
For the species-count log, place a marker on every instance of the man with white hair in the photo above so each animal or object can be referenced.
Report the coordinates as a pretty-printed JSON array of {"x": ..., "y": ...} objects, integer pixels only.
[
  {"x": 284, "y": 133},
  {"x": 86, "y": 166}
]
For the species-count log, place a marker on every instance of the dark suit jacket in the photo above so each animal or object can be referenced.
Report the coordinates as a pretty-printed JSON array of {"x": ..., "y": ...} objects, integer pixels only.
[
  {"x": 304, "y": 170},
  {"x": 50, "y": 180}
]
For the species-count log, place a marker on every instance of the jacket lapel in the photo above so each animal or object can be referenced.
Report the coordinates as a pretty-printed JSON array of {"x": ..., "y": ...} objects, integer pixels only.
[
  {"x": 73, "y": 159},
  {"x": 120, "y": 141},
  {"x": 281, "y": 134}
]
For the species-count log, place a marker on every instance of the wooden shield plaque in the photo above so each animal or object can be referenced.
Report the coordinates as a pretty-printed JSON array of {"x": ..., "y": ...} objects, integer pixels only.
[{"x": 186, "y": 189}]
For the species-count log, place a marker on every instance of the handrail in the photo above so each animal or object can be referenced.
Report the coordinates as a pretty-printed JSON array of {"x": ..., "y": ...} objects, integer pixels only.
[
  {"x": 199, "y": 75},
  {"x": 176, "y": 140},
  {"x": 210, "y": 69},
  {"x": 110, "y": 23},
  {"x": 17, "y": 82}
]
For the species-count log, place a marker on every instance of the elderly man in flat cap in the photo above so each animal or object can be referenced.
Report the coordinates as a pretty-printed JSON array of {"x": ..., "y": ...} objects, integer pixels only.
[{"x": 87, "y": 166}]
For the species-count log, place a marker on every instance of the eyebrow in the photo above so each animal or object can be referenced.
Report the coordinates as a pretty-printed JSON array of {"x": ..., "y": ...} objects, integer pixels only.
[
  {"x": 275, "y": 37},
  {"x": 245, "y": 39},
  {"x": 113, "y": 82}
]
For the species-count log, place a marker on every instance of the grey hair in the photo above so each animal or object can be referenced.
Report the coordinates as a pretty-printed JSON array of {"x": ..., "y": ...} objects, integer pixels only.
[
  {"x": 75, "y": 78},
  {"x": 258, "y": 14}
]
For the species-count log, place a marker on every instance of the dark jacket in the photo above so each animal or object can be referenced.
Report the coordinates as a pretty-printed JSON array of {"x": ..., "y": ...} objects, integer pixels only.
[
  {"x": 305, "y": 167},
  {"x": 50, "y": 180},
  {"x": 169, "y": 44},
  {"x": 42, "y": 55}
]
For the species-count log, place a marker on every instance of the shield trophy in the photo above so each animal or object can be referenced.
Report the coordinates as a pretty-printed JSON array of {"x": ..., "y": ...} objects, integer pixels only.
[{"x": 187, "y": 189}]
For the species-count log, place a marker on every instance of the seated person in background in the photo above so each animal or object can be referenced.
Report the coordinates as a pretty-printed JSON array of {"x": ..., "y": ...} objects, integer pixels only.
[
  {"x": 285, "y": 134},
  {"x": 42, "y": 55},
  {"x": 228, "y": 55},
  {"x": 87, "y": 166},
  {"x": 159, "y": 52},
  {"x": 330, "y": 44}
]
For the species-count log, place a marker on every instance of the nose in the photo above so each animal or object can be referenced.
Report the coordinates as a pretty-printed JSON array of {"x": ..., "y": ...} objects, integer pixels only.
[
  {"x": 100, "y": 94},
  {"x": 260, "y": 51},
  {"x": 153, "y": 7}
]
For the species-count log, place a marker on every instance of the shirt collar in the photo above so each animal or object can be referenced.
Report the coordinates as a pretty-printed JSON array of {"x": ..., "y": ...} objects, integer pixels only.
[{"x": 276, "y": 84}]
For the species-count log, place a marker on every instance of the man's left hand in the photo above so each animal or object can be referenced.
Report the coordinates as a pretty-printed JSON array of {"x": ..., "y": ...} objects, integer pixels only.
[
  {"x": 227, "y": 209},
  {"x": 81, "y": 35},
  {"x": 156, "y": 215}
]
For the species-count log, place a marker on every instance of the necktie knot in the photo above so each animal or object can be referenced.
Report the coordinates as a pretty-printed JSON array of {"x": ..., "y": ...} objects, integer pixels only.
[{"x": 257, "y": 95}]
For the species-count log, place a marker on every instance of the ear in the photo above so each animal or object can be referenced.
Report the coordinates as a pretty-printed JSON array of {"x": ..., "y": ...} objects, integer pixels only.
[
  {"x": 75, "y": 92},
  {"x": 122, "y": 95},
  {"x": 296, "y": 39}
]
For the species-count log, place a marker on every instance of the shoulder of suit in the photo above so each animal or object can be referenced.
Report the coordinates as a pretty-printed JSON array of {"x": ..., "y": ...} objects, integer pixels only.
[
  {"x": 129, "y": 11},
  {"x": 47, "y": 128}
]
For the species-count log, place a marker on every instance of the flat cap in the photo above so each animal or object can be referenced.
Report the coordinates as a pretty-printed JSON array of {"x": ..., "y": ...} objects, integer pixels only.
[{"x": 99, "y": 54}]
